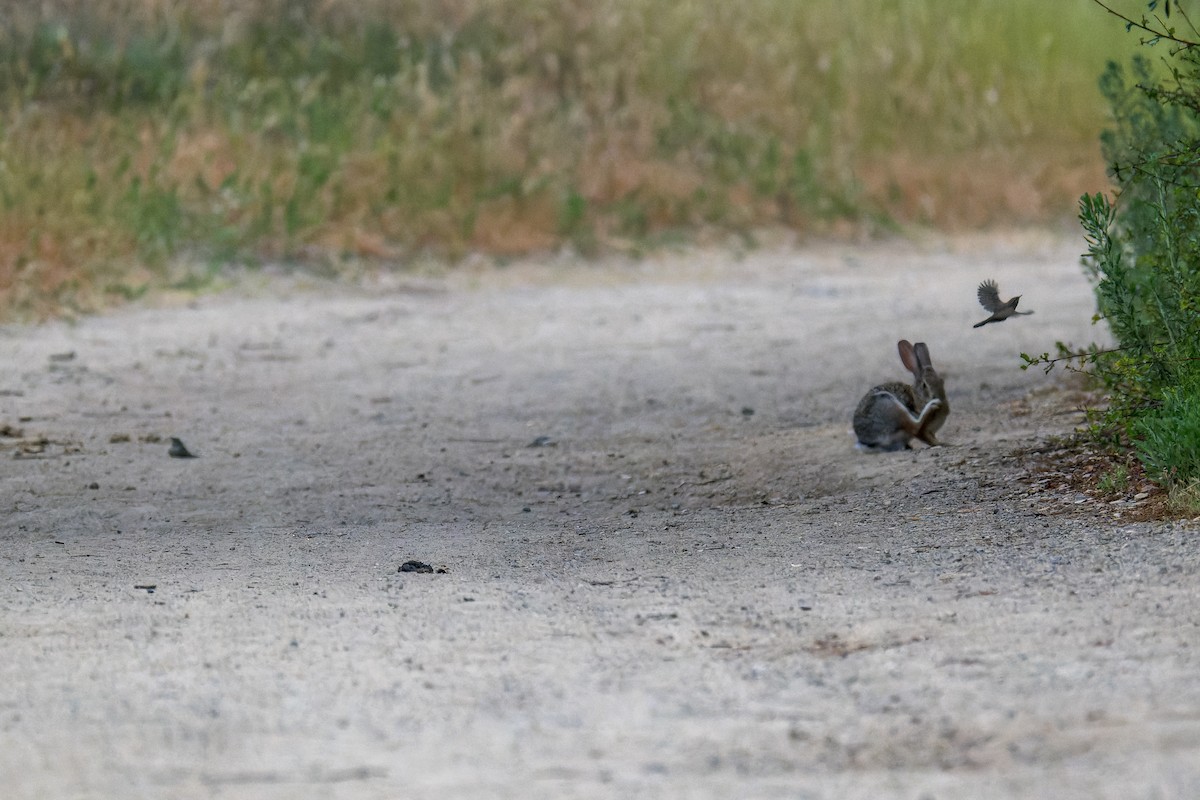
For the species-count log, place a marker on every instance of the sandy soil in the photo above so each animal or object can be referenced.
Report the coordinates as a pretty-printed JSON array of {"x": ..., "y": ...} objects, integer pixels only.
[{"x": 663, "y": 570}]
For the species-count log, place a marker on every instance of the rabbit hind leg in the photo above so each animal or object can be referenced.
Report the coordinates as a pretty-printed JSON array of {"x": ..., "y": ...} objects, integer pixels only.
[{"x": 906, "y": 419}]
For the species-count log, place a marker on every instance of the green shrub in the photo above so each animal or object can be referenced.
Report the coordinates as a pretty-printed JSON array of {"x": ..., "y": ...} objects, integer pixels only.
[{"x": 1144, "y": 256}]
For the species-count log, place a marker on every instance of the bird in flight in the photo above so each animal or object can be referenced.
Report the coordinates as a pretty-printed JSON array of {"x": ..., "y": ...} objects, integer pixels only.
[{"x": 989, "y": 298}]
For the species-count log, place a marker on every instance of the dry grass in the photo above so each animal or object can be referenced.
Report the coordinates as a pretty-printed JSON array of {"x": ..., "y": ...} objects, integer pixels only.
[{"x": 139, "y": 133}]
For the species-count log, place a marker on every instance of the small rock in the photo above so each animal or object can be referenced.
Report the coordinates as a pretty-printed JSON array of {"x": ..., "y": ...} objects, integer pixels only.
[
  {"x": 1141, "y": 495},
  {"x": 415, "y": 566},
  {"x": 179, "y": 450}
]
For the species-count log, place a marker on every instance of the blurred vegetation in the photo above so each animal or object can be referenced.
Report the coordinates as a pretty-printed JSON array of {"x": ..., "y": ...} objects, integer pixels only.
[{"x": 140, "y": 135}]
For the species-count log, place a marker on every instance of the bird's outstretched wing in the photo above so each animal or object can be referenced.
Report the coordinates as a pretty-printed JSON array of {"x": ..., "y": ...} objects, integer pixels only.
[{"x": 989, "y": 296}]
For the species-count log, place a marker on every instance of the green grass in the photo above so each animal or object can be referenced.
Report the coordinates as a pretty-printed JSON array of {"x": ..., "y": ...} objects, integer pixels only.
[
  {"x": 1167, "y": 438},
  {"x": 140, "y": 132},
  {"x": 1114, "y": 482}
]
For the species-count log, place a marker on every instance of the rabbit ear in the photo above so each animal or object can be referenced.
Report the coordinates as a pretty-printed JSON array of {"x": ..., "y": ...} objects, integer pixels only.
[
  {"x": 909, "y": 356},
  {"x": 922, "y": 353}
]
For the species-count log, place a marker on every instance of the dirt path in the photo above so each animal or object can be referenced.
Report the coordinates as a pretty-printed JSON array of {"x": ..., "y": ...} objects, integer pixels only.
[{"x": 694, "y": 586}]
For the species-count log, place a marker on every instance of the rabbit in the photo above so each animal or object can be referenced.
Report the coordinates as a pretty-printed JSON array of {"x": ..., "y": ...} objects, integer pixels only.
[{"x": 887, "y": 417}]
